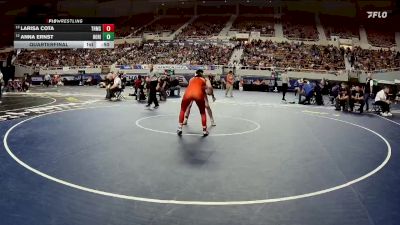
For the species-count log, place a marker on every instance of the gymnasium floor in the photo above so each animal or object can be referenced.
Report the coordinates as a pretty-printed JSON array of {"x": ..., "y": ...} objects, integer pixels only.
[{"x": 69, "y": 157}]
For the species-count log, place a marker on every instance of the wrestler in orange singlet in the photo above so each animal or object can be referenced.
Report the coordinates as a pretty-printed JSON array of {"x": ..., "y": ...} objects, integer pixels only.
[
  {"x": 195, "y": 92},
  {"x": 209, "y": 91}
]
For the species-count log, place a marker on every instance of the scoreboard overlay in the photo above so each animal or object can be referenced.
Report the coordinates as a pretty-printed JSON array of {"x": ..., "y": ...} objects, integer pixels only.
[{"x": 64, "y": 33}]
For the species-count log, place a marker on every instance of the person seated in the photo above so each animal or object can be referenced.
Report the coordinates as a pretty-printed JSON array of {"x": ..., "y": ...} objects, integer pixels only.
[
  {"x": 89, "y": 81},
  {"x": 334, "y": 93},
  {"x": 357, "y": 96},
  {"x": 383, "y": 102},
  {"x": 342, "y": 100},
  {"x": 318, "y": 92},
  {"x": 307, "y": 91},
  {"x": 174, "y": 86}
]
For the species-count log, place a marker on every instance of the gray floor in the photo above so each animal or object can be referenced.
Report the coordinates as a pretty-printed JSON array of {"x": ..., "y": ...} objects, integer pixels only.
[{"x": 131, "y": 168}]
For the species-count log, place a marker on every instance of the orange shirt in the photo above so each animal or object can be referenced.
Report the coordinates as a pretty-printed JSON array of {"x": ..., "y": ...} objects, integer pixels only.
[{"x": 196, "y": 88}]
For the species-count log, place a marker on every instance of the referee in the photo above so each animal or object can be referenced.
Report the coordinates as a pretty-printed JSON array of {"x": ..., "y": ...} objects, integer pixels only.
[{"x": 285, "y": 84}]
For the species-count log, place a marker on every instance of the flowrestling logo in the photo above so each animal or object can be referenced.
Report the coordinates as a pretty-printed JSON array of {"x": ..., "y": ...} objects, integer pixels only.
[{"x": 377, "y": 14}]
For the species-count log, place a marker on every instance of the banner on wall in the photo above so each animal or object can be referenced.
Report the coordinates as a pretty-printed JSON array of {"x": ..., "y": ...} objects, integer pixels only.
[
  {"x": 242, "y": 35},
  {"x": 164, "y": 67},
  {"x": 171, "y": 67},
  {"x": 255, "y": 34}
]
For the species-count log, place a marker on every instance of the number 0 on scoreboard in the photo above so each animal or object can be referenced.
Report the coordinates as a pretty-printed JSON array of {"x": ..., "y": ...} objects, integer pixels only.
[{"x": 108, "y": 27}]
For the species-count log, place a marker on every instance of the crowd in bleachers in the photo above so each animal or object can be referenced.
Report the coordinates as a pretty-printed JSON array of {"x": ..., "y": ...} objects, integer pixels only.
[
  {"x": 370, "y": 60},
  {"x": 299, "y": 25},
  {"x": 256, "y": 53},
  {"x": 264, "y": 25},
  {"x": 166, "y": 24},
  {"x": 132, "y": 25},
  {"x": 148, "y": 53},
  {"x": 381, "y": 32},
  {"x": 344, "y": 27},
  {"x": 175, "y": 53},
  {"x": 381, "y": 38},
  {"x": 205, "y": 26},
  {"x": 293, "y": 55},
  {"x": 68, "y": 57}
]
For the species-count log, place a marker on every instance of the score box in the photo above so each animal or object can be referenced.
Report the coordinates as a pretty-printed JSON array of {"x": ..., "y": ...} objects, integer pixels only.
[
  {"x": 108, "y": 36},
  {"x": 108, "y": 27}
]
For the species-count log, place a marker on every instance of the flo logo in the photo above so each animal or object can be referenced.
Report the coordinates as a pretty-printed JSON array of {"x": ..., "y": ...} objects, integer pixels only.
[{"x": 377, "y": 14}]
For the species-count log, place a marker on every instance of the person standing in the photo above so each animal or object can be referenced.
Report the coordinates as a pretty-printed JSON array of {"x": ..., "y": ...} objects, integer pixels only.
[
  {"x": 285, "y": 85},
  {"x": 229, "y": 84},
  {"x": 368, "y": 90},
  {"x": 152, "y": 88},
  {"x": 196, "y": 91},
  {"x": 209, "y": 91},
  {"x": 163, "y": 86},
  {"x": 47, "y": 80}
]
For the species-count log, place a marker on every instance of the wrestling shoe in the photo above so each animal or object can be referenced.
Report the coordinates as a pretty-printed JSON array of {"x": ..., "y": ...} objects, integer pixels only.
[
  {"x": 179, "y": 131},
  {"x": 156, "y": 107},
  {"x": 205, "y": 132},
  {"x": 213, "y": 123}
]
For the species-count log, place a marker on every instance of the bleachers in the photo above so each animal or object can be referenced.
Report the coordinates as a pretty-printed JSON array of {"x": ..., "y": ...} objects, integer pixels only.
[
  {"x": 216, "y": 10},
  {"x": 170, "y": 24},
  {"x": 265, "y": 25},
  {"x": 299, "y": 26},
  {"x": 251, "y": 10},
  {"x": 371, "y": 60},
  {"x": 205, "y": 26},
  {"x": 130, "y": 25},
  {"x": 179, "y": 11},
  {"x": 344, "y": 27},
  {"x": 292, "y": 55},
  {"x": 381, "y": 32}
]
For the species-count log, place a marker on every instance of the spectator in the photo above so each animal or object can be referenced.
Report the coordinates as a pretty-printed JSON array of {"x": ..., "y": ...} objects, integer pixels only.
[
  {"x": 342, "y": 100},
  {"x": 383, "y": 102},
  {"x": 229, "y": 84},
  {"x": 47, "y": 80},
  {"x": 357, "y": 96},
  {"x": 368, "y": 88}
]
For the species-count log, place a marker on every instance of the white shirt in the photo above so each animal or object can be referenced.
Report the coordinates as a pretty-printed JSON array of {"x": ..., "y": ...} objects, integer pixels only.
[
  {"x": 285, "y": 78},
  {"x": 1, "y": 76},
  {"x": 117, "y": 82},
  {"x": 380, "y": 96}
]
